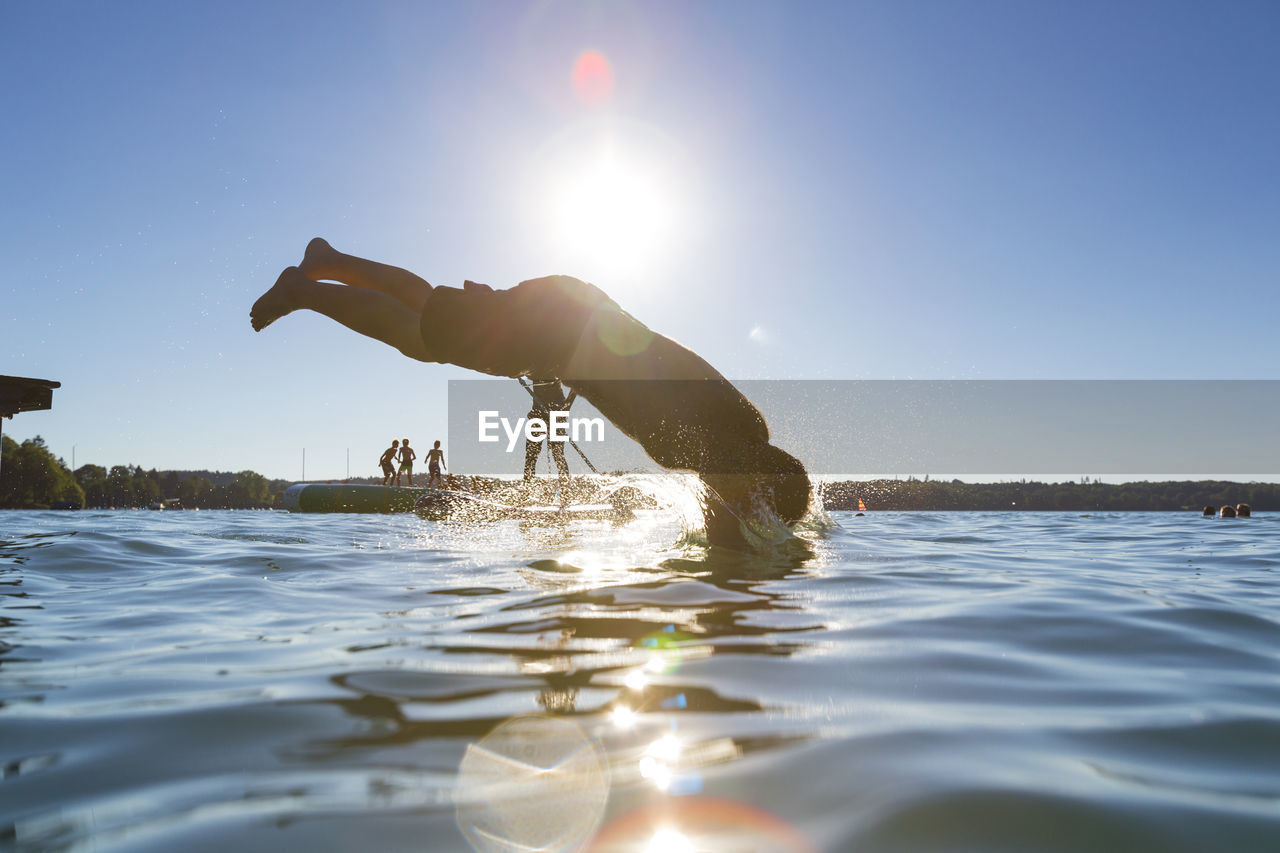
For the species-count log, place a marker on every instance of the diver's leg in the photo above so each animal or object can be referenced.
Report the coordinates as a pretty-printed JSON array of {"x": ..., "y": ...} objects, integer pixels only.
[
  {"x": 321, "y": 261},
  {"x": 369, "y": 312}
]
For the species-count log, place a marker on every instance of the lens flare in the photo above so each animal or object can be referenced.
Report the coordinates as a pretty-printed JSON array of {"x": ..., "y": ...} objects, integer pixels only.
[
  {"x": 533, "y": 783},
  {"x": 592, "y": 78}
]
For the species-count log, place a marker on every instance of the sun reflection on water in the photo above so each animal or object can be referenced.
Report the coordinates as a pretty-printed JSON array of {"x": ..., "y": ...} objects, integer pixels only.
[
  {"x": 623, "y": 717},
  {"x": 669, "y": 840},
  {"x": 626, "y": 691}
]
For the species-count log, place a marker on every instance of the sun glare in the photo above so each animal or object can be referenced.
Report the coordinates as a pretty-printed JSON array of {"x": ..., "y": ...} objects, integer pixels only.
[{"x": 610, "y": 213}]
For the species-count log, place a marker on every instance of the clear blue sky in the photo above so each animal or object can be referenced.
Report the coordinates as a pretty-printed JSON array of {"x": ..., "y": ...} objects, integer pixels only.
[{"x": 846, "y": 190}]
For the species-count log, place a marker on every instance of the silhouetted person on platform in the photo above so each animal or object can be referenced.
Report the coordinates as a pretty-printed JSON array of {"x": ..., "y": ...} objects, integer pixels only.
[
  {"x": 671, "y": 401},
  {"x": 388, "y": 462},
  {"x": 435, "y": 459},
  {"x": 407, "y": 455}
]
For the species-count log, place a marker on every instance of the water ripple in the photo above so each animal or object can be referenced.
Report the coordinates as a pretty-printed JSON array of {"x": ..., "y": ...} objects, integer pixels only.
[{"x": 905, "y": 681}]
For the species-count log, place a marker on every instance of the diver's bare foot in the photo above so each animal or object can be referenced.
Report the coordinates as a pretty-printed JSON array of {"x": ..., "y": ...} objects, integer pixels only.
[
  {"x": 317, "y": 259},
  {"x": 281, "y": 299}
]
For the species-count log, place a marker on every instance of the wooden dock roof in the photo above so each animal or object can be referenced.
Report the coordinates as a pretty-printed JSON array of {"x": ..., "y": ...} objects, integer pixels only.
[{"x": 20, "y": 394}]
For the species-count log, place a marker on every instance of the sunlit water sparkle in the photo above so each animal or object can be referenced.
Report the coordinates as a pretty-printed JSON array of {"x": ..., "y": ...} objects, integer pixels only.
[{"x": 912, "y": 681}]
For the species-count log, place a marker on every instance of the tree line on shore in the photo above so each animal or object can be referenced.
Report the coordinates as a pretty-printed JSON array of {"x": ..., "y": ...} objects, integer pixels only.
[
  {"x": 31, "y": 477},
  {"x": 1084, "y": 496}
]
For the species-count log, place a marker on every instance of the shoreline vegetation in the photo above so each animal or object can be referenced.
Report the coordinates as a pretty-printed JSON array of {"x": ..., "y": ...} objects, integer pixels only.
[
  {"x": 1084, "y": 496},
  {"x": 33, "y": 478}
]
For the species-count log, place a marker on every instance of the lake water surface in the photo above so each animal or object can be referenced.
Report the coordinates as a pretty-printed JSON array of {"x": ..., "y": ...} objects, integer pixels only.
[{"x": 911, "y": 682}]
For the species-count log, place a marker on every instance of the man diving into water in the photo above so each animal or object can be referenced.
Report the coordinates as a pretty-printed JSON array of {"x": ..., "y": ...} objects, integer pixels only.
[{"x": 667, "y": 398}]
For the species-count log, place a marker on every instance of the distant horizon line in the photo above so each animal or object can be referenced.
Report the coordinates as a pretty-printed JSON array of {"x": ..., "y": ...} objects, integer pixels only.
[
  {"x": 1058, "y": 478},
  {"x": 970, "y": 479}
]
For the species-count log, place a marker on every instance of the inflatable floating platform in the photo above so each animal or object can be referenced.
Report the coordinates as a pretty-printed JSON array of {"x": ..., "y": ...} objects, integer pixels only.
[{"x": 349, "y": 497}]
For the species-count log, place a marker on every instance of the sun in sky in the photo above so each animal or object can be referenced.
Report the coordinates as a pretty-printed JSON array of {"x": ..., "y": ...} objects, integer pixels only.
[
  {"x": 611, "y": 204},
  {"x": 610, "y": 209}
]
